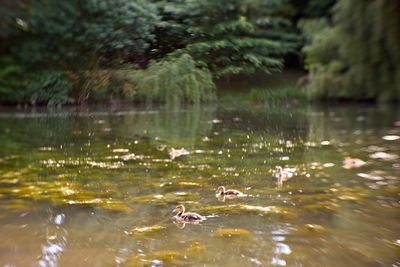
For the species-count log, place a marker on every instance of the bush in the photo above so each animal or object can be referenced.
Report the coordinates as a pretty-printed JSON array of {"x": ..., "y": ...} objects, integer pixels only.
[
  {"x": 46, "y": 87},
  {"x": 355, "y": 58},
  {"x": 174, "y": 81},
  {"x": 10, "y": 79},
  {"x": 286, "y": 93}
]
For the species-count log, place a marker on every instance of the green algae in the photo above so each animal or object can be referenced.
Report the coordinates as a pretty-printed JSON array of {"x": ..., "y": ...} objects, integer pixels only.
[
  {"x": 323, "y": 206},
  {"x": 241, "y": 208},
  {"x": 167, "y": 257},
  {"x": 181, "y": 185},
  {"x": 195, "y": 251},
  {"x": 164, "y": 198},
  {"x": 114, "y": 206},
  {"x": 146, "y": 230},
  {"x": 63, "y": 193},
  {"x": 232, "y": 233}
]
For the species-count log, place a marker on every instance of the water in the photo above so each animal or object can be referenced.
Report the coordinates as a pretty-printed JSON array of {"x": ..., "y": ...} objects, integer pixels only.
[{"x": 97, "y": 187}]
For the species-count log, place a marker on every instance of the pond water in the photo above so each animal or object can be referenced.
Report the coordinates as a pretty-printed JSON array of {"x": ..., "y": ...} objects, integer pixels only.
[{"x": 97, "y": 187}]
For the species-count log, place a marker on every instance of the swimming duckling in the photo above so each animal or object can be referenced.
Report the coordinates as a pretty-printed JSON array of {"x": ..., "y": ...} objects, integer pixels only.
[
  {"x": 187, "y": 216},
  {"x": 221, "y": 191},
  {"x": 282, "y": 175}
]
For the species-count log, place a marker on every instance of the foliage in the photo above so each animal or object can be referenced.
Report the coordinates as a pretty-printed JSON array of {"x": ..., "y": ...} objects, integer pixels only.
[
  {"x": 92, "y": 85},
  {"x": 10, "y": 79},
  {"x": 78, "y": 37},
  {"x": 305, "y": 9},
  {"x": 284, "y": 94},
  {"x": 60, "y": 32},
  {"x": 51, "y": 87},
  {"x": 238, "y": 36},
  {"x": 356, "y": 58},
  {"x": 171, "y": 32},
  {"x": 52, "y": 51},
  {"x": 318, "y": 8},
  {"x": 120, "y": 27},
  {"x": 174, "y": 81}
]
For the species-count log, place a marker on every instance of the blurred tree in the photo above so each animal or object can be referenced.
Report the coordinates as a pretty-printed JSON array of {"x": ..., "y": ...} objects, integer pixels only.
[
  {"x": 173, "y": 80},
  {"x": 238, "y": 36},
  {"x": 305, "y": 9},
  {"x": 121, "y": 29},
  {"x": 105, "y": 31},
  {"x": 52, "y": 39},
  {"x": 170, "y": 33},
  {"x": 358, "y": 57}
]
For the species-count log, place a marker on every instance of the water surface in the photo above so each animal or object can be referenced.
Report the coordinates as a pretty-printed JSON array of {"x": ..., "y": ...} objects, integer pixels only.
[{"x": 96, "y": 187}]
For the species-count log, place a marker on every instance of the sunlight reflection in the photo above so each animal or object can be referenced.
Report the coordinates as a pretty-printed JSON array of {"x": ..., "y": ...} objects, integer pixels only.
[
  {"x": 56, "y": 241},
  {"x": 279, "y": 236}
]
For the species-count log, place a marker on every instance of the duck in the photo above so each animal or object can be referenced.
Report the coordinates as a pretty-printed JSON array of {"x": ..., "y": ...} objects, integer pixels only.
[
  {"x": 282, "y": 175},
  {"x": 183, "y": 216},
  {"x": 221, "y": 191}
]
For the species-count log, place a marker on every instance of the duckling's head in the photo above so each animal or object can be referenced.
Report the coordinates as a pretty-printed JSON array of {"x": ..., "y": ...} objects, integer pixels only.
[
  {"x": 179, "y": 209},
  {"x": 220, "y": 190}
]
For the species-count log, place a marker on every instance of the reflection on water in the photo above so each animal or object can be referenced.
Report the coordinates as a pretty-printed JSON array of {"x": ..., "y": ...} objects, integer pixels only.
[
  {"x": 281, "y": 249},
  {"x": 96, "y": 188},
  {"x": 56, "y": 240}
]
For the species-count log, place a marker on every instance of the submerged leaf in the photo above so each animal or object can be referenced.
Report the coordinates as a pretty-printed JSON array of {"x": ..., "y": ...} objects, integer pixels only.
[{"x": 232, "y": 232}]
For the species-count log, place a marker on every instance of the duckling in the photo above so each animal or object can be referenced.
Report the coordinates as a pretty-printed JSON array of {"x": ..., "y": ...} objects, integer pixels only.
[
  {"x": 282, "y": 175},
  {"x": 187, "y": 216},
  {"x": 221, "y": 191}
]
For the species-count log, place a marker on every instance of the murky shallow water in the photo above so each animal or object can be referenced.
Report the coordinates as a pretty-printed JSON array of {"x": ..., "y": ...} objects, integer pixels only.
[{"x": 97, "y": 188}]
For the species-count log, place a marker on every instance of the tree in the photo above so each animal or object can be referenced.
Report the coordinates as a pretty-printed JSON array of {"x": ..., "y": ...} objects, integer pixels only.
[
  {"x": 173, "y": 81},
  {"x": 358, "y": 56},
  {"x": 170, "y": 33},
  {"x": 76, "y": 34},
  {"x": 57, "y": 40},
  {"x": 238, "y": 36}
]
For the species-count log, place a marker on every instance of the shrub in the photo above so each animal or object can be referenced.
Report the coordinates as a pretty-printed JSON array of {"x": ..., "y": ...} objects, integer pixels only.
[
  {"x": 46, "y": 87},
  {"x": 10, "y": 79},
  {"x": 174, "y": 81}
]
